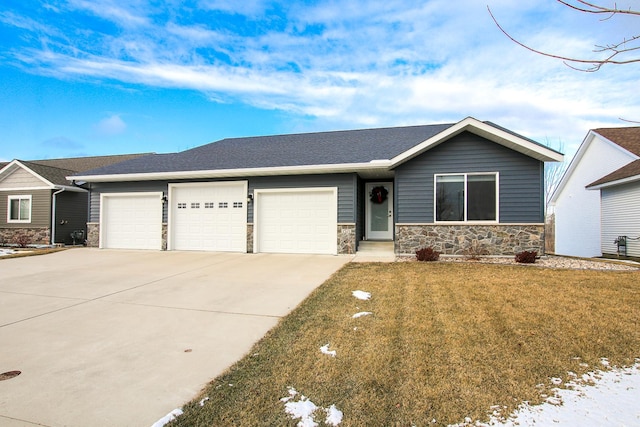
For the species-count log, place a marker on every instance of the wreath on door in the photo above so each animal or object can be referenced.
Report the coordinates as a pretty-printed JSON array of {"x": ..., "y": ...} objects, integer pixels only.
[{"x": 378, "y": 195}]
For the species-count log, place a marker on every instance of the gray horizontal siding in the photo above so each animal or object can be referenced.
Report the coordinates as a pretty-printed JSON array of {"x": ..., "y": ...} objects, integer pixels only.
[
  {"x": 40, "y": 208},
  {"x": 346, "y": 184},
  {"x": 521, "y": 179}
]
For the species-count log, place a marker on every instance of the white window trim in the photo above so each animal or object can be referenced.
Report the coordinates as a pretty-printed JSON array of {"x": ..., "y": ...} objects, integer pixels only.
[
  {"x": 19, "y": 197},
  {"x": 465, "y": 175}
]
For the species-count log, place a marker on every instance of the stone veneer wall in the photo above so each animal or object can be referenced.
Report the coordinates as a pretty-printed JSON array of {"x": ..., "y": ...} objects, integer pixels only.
[
  {"x": 164, "y": 236},
  {"x": 34, "y": 236},
  {"x": 249, "y": 238},
  {"x": 346, "y": 238},
  {"x": 93, "y": 234},
  {"x": 499, "y": 239}
]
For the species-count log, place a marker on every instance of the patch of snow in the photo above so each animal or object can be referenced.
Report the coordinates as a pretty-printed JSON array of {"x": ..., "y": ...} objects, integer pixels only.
[
  {"x": 4, "y": 252},
  {"x": 304, "y": 409},
  {"x": 204, "y": 400},
  {"x": 362, "y": 313},
  {"x": 556, "y": 381},
  {"x": 168, "y": 418},
  {"x": 361, "y": 295},
  {"x": 334, "y": 416},
  {"x": 608, "y": 398},
  {"x": 325, "y": 350}
]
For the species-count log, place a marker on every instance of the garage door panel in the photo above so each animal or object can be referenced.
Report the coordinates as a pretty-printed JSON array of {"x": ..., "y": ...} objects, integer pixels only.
[
  {"x": 212, "y": 217},
  {"x": 131, "y": 221},
  {"x": 298, "y": 221}
]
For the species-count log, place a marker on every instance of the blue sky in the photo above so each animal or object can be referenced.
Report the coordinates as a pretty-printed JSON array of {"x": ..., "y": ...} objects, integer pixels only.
[{"x": 98, "y": 77}]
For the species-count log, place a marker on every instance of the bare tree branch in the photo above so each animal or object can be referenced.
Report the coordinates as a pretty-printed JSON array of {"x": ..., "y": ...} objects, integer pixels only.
[
  {"x": 614, "y": 51},
  {"x": 599, "y": 9}
]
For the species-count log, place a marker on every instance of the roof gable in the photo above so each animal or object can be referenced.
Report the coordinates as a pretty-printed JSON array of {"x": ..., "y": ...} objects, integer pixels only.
[
  {"x": 627, "y": 137},
  {"x": 16, "y": 176}
]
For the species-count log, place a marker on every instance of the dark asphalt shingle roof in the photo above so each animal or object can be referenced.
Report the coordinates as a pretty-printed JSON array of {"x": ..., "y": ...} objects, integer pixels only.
[
  {"x": 320, "y": 148},
  {"x": 56, "y": 170}
]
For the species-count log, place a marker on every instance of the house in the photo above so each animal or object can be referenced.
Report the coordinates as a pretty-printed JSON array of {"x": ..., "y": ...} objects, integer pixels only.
[
  {"x": 598, "y": 198},
  {"x": 448, "y": 186},
  {"x": 40, "y": 205}
]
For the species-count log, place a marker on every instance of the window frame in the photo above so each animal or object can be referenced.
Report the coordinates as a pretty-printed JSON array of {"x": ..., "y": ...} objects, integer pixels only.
[
  {"x": 465, "y": 176},
  {"x": 19, "y": 198}
]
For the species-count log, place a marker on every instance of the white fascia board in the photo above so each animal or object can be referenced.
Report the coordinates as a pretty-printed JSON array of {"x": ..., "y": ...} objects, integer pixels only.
[
  {"x": 376, "y": 165},
  {"x": 486, "y": 131},
  {"x": 71, "y": 188},
  {"x": 19, "y": 164},
  {"x": 626, "y": 180}
]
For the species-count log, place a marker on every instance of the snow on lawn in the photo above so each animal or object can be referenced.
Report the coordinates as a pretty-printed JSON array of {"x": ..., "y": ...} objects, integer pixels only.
[
  {"x": 304, "y": 409},
  {"x": 362, "y": 313},
  {"x": 168, "y": 418},
  {"x": 4, "y": 252},
  {"x": 325, "y": 350},
  {"x": 361, "y": 295},
  {"x": 612, "y": 399}
]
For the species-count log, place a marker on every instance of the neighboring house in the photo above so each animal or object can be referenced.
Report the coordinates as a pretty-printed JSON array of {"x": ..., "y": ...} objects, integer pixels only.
[
  {"x": 39, "y": 205},
  {"x": 448, "y": 186},
  {"x": 588, "y": 221}
]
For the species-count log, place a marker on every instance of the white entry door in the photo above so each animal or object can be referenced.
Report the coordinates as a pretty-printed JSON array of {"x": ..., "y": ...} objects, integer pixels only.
[{"x": 379, "y": 212}]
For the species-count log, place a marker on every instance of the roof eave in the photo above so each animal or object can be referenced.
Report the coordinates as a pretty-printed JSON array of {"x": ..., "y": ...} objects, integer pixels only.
[
  {"x": 621, "y": 181},
  {"x": 375, "y": 165}
]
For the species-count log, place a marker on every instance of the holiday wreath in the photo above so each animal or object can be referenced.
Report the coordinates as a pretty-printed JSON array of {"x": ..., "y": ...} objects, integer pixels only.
[{"x": 378, "y": 195}]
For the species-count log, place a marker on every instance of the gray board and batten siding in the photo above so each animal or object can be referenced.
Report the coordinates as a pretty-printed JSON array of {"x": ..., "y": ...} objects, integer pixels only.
[
  {"x": 346, "y": 184},
  {"x": 521, "y": 178},
  {"x": 71, "y": 215}
]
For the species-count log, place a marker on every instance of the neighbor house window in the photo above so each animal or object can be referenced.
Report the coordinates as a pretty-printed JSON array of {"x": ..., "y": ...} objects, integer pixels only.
[
  {"x": 19, "y": 209},
  {"x": 466, "y": 197}
]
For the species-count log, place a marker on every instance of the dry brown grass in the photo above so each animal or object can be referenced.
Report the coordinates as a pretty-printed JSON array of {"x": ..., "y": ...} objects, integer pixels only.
[
  {"x": 445, "y": 342},
  {"x": 21, "y": 253}
]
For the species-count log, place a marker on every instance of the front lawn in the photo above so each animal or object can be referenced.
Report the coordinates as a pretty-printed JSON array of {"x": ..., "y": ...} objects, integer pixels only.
[{"x": 443, "y": 342}]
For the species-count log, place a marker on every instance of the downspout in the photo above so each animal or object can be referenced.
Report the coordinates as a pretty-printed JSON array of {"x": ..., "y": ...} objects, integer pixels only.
[{"x": 53, "y": 215}]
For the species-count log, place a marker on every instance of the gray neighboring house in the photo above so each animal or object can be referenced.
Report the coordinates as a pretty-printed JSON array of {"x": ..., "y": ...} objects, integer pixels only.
[
  {"x": 38, "y": 203},
  {"x": 448, "y": 186}
]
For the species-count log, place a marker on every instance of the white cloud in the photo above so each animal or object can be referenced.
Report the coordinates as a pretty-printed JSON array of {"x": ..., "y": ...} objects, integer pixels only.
[
  {"x": 358, "y": 63},
  {"x": 110, "y": 126}
]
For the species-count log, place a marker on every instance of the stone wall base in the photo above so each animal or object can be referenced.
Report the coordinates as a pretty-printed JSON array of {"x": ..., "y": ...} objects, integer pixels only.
[
  {"x": 93, "y": 234},
  {"x": 249, "y": 238},
  {"x": 346, "y": 239},
  {"x": 507, "y": 239},
  {"x": 26, "y": 235}
]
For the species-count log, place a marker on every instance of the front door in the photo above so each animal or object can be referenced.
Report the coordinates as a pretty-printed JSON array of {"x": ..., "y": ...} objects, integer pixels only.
[{"x": 379, "y": 211}]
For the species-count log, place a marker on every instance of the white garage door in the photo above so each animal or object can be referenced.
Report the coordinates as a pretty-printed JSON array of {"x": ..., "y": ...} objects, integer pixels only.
[
  {"x": 208, "y": 216},
  {"x": 131, "y": 221},
  {"x": 296, "y": 221}
]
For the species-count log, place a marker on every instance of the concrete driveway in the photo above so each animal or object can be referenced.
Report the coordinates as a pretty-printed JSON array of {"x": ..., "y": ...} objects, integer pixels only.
[{"x": 121, "y": 338}]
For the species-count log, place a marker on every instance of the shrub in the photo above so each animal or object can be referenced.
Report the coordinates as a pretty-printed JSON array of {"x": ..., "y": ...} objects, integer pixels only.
[
  {"x": 22, "y": 240},
  {"x": 475, "y": 250},
  {"x": 526, "y": 257},
  {"x": 427, "y": 254}
]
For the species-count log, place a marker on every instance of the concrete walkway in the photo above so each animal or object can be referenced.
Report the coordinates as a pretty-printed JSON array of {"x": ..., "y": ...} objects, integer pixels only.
[{"x": 121, "y": 338}]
